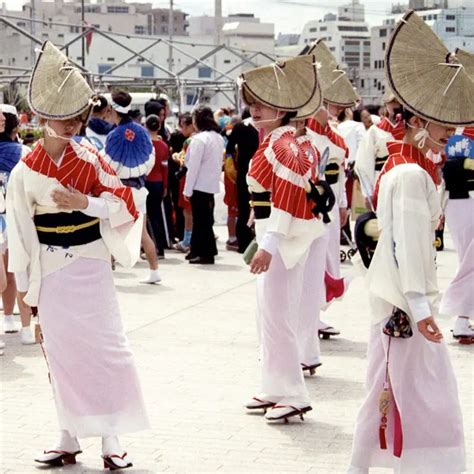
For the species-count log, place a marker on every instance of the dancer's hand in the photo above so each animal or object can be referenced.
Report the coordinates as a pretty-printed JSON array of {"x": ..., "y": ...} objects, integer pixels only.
[
  {"x": 430, "y": 330},
  {"x": 260, "y": 262},
  {"x": 70, "y": 199}
]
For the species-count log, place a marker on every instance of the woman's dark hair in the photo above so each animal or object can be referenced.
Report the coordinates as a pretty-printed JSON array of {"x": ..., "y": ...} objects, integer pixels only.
[
  {"x": 153, "y": 107},
  {"x": 101, "y": 105},
  {"x": 356, "y": 117},
  {"x": 246, "y": 113},
  {"x": 153, "y": 123},
  {"x": 11, "y": 122},
  {"x": 122, "y": 98},
  {"x": 287, "y": 117},
  {"x": 341, "y": 116},
  {"x": 205, "y": 120},
  {"x": 186, "y": 118},
  {"x": 406, "y": 115}
]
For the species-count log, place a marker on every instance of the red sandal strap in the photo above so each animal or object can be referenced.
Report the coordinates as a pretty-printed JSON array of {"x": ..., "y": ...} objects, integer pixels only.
[
  {"x": 116, "y": 456},
  {"x": 261, "y": 401}
]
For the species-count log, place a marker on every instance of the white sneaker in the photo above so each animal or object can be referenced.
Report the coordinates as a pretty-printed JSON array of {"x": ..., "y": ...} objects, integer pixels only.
[
  {"x": 27, "y": 336},
  {"x": 154, "y": 277},
  {"x": 462, "y": 328},
  {"x": 10, "y": 325}
]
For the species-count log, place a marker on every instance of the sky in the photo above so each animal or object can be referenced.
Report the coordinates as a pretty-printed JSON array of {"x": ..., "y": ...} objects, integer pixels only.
[{"x": 289, "y": 16}]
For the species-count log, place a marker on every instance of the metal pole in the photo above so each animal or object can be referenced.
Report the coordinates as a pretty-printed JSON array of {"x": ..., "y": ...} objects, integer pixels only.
[
  {"x": 170, "y": 36},
  {"x": 32, "y": 31},
  {"x": 83, "y": 38}
]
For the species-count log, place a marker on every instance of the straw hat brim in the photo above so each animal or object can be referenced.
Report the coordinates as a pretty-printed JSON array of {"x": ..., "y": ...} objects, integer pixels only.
[
  {"x": 467, "y": 60},
  {"x": 312, "y": 106},
  {"x": 418, "y": 72},
  {"x": 287, "y": 85},
  {"x": 336, "y": 87},
  {"x": 57, "y": 90}
]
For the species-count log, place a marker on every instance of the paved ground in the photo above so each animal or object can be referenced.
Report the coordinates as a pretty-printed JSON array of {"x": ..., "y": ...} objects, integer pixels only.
[{"x": 194, "y": 338}]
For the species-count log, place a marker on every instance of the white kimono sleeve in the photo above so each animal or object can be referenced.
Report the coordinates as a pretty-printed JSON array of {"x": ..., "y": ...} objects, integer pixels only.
[
  {"x": 23, "y": 243},
  {"x": 413, "y": 237}
]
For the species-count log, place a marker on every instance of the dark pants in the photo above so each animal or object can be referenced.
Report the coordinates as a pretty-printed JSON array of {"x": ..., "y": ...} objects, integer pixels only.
[
  {"x": 155, "y": 214},
  {"x": 203, "y": 242},
  {"x": 243, "y": 232}
]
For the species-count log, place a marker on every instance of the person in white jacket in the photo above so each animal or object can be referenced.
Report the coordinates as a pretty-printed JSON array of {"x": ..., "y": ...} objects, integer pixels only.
[{"x": 410, "y": 420}]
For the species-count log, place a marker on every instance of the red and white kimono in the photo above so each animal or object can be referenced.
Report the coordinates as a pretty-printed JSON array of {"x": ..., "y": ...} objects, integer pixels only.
[
  {"x": 333, "y": 150},
  {"x": 373, "y": 153},
  {"x": 93, "y": 375},
  {"x": 424, "y": 432},
  {"x": 289, "y": 292}
]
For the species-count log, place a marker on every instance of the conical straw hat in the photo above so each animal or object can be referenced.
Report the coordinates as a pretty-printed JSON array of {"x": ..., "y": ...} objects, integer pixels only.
[
  {"x": 57, "y": 89},
  {"x": 467, "y": 60},
  {"x": 335, "y": 85},
  {"x": 424, "y": 76},
  {"x": 389, "y": 96},
  {"x": 286, "y": 85}
]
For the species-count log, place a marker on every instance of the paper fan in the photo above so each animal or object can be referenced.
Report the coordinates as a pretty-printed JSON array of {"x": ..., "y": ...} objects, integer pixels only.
[
  {"x": 335, "y": 85},
  {"x": 288, "y": 153},
  {"x": 285, "y": 85},
  {"x": 128, "y": 149},
  {"x": 424, "y": 76},
  {"x": 467, "y": 60},
  {"x": 57, "y": 89}
]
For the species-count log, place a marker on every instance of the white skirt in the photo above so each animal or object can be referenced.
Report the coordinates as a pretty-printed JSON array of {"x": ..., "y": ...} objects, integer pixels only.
[{"x": 93, "y": 374}]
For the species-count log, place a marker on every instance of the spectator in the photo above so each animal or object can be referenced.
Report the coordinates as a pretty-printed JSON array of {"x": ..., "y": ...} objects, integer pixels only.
[
  {"x": 204, "y": 163},
  {"x": 99, "y": 125},
  {"x": 157, "y": 184}
]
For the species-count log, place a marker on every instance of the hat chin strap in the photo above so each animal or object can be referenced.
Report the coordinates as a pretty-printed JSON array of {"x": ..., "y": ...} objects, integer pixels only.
[
  {"x": 51, "y": 133},
  {"x": 423, "y": 135}
]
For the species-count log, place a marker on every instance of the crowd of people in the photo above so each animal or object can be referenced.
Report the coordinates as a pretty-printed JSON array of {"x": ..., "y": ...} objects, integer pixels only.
[{"x": 302, "y": 159}]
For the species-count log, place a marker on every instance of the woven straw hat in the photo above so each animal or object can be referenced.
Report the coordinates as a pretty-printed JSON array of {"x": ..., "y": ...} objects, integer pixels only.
[
  {"x": 389, "y": 96},
  {"x": 312, "y": 106},
  {"x": 425, "y": 77},
  {"x": 286, "y": 85},
  {"x": 335, "y": 85},
  {"x": 467, "y": 60},
  {"x": 57, "y": 89}
]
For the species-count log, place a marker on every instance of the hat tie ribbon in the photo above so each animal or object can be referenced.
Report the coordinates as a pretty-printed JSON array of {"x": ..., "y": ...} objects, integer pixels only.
[
  {"x": 459, "y": 67},
  {"x": 69, "y": 68},
  {"x": 277, "y": 68},
  {"x": 342, "y": 73}
]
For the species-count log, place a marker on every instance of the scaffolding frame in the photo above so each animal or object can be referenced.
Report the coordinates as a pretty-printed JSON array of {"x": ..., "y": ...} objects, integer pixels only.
[{"x": 168, "y": 81}]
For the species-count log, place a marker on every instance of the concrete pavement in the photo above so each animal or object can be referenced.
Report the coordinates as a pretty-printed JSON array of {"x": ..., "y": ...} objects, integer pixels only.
[{"x": 194, "y": 338}]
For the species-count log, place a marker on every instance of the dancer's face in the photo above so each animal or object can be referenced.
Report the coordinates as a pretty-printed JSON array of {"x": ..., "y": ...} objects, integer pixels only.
[
  {"x": 440, "y": 136},
  {"x": 66, "y": 128},
  {"x": 2, "y": 122},
  {"x": 265, "y": 117}
]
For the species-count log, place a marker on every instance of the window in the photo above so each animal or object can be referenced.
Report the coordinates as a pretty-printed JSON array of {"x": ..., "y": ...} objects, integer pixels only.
[
  {"x": 148, "y": 71},
  {"x": 383, "y": 33},
  {"x": 332, "y": 48},
  {"x": 164, "y": 29},
  {"x": 96, "y": 26},
  {"x": 45, "y": 35},
  {"x": 323, "y": 28},
  {"x": 435, "y": 17},
  {"x": 226, "y": 61},
  {"x": 329, "y": 38},
  {"x": 104, "y": 67},
  {"x": 117, "y": 9},
  {"x": 352, "y": 28},
  {"x": 190, "y": 99},
  {"x": 450, "y": 17},
  {"x": 204, "y": 72},
  {"x": 60, "y": 35},
  {"x": 366, "y": 43},
  {"x": 312, "y": 39},
  {"x": 163, "y": 18},
  {"x": 450, "y": 29},
  {"x": 362, "y": 83},
  {"x": 139, "y": 30},
  {"x": 430, "y": 17},
  {"x": 21, "y": 24},
  {"x": 313, "y": 30},
  {"x": 111, "y": 59},
  {"x": 375, "y": 82},
  {"x": 383, "y": 46}
]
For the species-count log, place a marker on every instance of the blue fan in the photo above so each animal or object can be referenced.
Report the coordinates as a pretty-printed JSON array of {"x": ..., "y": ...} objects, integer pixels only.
[
  {"x": 10, "y": 154},
  {"x": 128, "y": 150},
  {"x": 460, "y": 146},
  {"x": 89, "y": 141}
]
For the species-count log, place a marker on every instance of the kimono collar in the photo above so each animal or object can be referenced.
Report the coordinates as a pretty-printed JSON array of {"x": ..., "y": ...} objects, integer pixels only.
[
  {"x": 397, "y": 130},
  {"x": 413, "y": 154}
]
